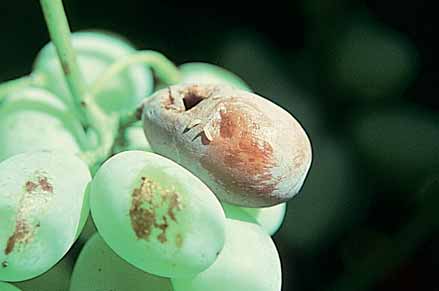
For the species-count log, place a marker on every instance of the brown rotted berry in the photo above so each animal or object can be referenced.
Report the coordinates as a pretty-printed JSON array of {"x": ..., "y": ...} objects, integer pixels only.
[{"x": 249, "y": 151}]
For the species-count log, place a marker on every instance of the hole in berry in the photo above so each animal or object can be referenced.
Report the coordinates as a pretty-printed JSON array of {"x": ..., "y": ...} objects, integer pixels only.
[{"x": 191, "y": 99}]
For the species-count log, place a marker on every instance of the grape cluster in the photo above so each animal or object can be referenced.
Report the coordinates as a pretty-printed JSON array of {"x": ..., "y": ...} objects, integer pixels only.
[{"x": 195, "y": 215}]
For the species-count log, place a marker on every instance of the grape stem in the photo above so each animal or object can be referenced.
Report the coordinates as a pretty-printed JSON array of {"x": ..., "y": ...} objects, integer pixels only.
[
  {"x": 59, "y": 31},
  {"x": 89, "y": 113},
  {"x": 165, "y": 70},
  {"x": 106, "y": 137}
]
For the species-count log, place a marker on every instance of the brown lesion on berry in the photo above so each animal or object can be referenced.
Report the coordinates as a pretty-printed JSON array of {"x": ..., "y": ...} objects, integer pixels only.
[
  {"x": 5, "y": 264},
  {"x": 179, "y": 240},
  {"x": 30, "y": 186},
  {"x": 239, "y": 158},
  {"x": 38, "y": 192},
  {"x": 152, "y": 208},
  {"x": 45, "y": 185},
  {"x": 22, "y": 234},
  {"x": 163, "y": 227}
]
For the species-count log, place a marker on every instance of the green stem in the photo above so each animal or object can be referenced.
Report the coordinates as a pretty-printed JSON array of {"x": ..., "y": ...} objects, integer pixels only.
[
  {"x": 59, "y": 31},
  {"x": 90, "y": 114},
  {"x": 163, "y": 68},
  {"x": 107, "y": 129}
]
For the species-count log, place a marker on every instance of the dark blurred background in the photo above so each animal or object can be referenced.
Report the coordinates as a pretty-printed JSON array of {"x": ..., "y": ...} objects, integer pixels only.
[{"x": 359, "y": 75}]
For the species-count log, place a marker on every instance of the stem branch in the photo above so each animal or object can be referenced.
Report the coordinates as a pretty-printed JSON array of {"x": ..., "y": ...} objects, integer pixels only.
[
  {"x": 164, "y": 68},
  {"x": 90, "y": 114},
  {"x": 59, "y": 31}
]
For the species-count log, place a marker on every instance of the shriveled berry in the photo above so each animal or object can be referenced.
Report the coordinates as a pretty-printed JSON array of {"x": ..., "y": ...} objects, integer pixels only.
[{"x": 249, "y": 151}]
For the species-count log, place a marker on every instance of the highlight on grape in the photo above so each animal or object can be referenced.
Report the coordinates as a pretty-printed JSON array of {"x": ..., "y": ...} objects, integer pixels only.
[{"x": 148, "y": 175}]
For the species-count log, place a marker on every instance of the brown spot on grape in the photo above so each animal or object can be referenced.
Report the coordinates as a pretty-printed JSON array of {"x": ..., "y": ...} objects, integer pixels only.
[
  {"x": 239, "y": 158},
  {"x": 5, "y": 264},
  {"x": 163, "y": 227},
  {"x": 45, "y": 185},
  {"x": 142, "y": 221},
  {"x": 151, "y": 207},
  {"x": 65, "y": 68},
  {"x": 178, "y": 240},
  {"x": 21, "y": 234},
  {"x": 162, "y": 237},
  {"x": 30, "y": 186},
  {"x": 174, "y": 204},
  {"x": 35, "y": 198}
]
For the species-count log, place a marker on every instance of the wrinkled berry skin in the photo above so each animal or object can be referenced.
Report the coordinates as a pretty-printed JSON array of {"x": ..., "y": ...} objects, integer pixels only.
[{"x": 249, "y": 151}]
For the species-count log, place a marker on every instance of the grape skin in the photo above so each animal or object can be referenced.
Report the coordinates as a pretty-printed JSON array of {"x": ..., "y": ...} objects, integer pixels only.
[
  {"x": 8, "y": 287},
  {"x": 41, "y": 204},
  {"x": 99, "y": 268},
  {"x": 56, "y": 279},
  {"x": 249, "y": 261},
  {"x": 157, "y": 215},
  {"x": 269, "y": 218},
  {"x": 134, "y": 139},
  {"x": 33, "y": 119}
]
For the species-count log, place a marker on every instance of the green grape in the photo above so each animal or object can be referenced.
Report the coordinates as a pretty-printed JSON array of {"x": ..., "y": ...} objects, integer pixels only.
[
  {"x": 87, "y": 231},
  {"x": 85, "y": 211},
  {"x": 56, "y": 279},
  {"x": 157, "y": 215},
  {"x": 96, "y": 51},
  {"x": 41, "y": 206},
  {"x": 33, "y": 119},
  {"x": 8, "y": 287},
  {"x": 269, "y": 218},
  {"x": 134, "y": 139},
  {"x": 237, "y": 213},
  {"x": 99, "y": 268},
  {"x": 208, "y": 73},
  {"x": 249, "y": 261}
]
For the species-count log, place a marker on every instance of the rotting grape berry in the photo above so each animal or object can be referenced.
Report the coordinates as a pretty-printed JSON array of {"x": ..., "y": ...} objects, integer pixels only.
[{"x": 248, "y": 150}]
